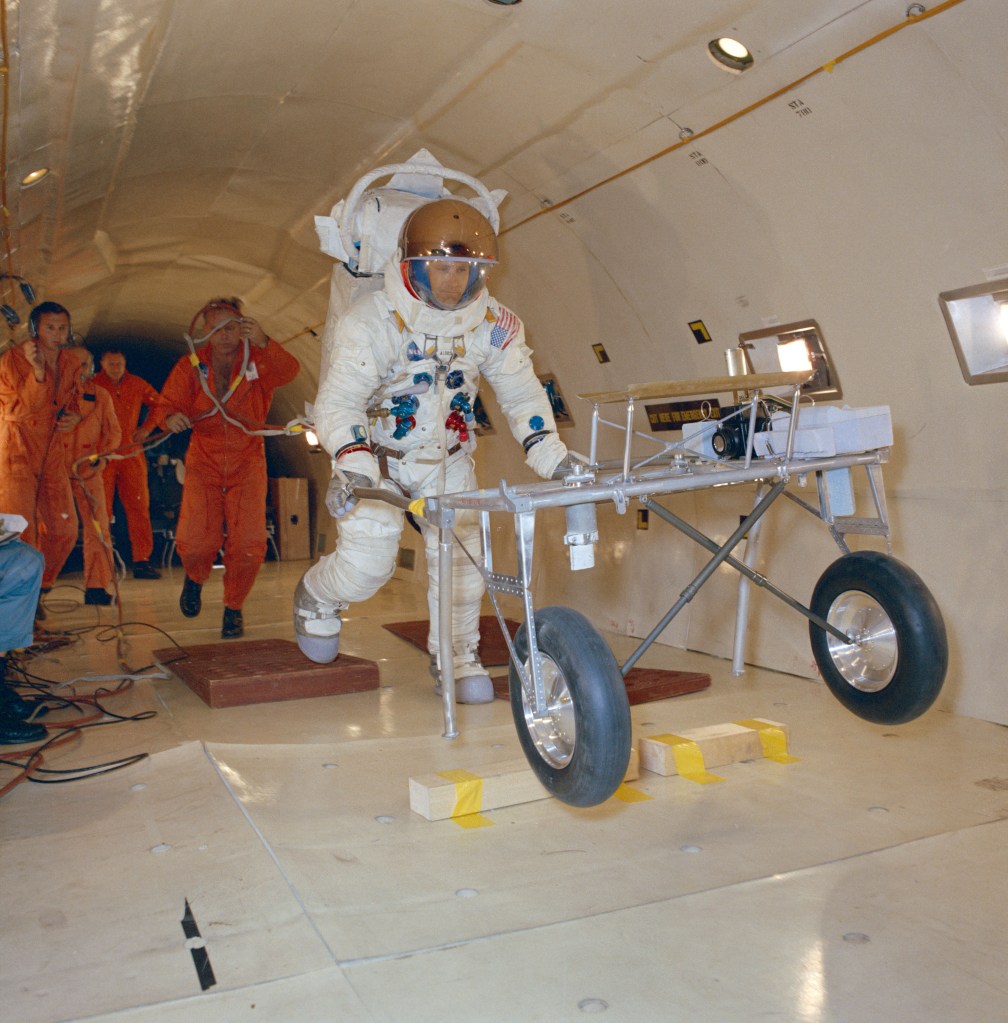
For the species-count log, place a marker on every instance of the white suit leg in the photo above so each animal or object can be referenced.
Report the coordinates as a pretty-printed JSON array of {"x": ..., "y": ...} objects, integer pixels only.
[
  {"x": 467, "y": 583},
  {"x": 467, "y": 594},
  {"x": 364, "y": 559}
]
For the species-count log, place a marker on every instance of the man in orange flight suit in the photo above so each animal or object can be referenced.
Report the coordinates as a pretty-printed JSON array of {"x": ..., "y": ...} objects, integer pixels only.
[
  {"x": 129, "y": 393},
  {"x": 222, "y": 399},
  {"x": 96, "y": 434},
  {"x": 38, "y": 400}
]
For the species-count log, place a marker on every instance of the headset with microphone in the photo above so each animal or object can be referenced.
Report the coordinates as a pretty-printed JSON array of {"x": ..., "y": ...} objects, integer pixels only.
[{"x": 49, "y": 307}]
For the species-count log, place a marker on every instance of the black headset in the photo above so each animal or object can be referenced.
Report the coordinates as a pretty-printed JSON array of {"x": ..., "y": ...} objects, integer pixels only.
[{"x": 48, "y": 307}]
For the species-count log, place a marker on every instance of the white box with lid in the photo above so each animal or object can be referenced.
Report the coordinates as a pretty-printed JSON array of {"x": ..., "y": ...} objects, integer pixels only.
[{"x": 828, "y": 430}]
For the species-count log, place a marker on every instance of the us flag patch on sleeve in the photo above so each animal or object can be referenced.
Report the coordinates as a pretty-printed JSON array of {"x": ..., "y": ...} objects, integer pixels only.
[{"x": 505, "y": 329}]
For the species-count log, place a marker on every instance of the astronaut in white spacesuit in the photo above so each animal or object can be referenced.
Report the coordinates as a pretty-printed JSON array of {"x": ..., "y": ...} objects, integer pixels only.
[{"x": 412, "y": 355}]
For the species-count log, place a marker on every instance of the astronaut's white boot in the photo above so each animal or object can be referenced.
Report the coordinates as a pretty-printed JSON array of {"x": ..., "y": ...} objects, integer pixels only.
[
  {"x": 472, "y": 683},
  {"x": 316, "y": 626}
]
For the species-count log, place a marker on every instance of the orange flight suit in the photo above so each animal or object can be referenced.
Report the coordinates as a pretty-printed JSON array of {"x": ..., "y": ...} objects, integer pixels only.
[
  {"x": 33, "y": 476},
  {"x": 97, "y": 433},
  {"x": 225, "y": 467},
  {"x": 130, "y": 474}
]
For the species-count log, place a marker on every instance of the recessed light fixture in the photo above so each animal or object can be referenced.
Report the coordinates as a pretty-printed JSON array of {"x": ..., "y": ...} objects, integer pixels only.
[
  {"x": 33, "y": 177},
  {"x": 505, "y": 3},
  {"x": 730, "y": 54}
]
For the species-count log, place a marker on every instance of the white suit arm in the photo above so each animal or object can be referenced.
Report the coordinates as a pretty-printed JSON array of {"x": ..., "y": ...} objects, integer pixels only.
[
  {"x": 356, "y": 367},
  {"x": 508, "y": 367}
]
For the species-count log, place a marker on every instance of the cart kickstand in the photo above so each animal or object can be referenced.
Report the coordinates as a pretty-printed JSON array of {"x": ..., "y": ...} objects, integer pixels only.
[
  {"x": 446, "y": 647},
  {"x": 742, "y": 602}
]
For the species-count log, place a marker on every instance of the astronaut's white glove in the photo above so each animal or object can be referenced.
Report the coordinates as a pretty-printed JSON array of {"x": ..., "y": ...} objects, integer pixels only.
[
  {"x": 546, "y": 455},
  {"x": 340, "y": 498},
  {"x": 571, "y": 463},
  {"x": 355, "y": 469}
]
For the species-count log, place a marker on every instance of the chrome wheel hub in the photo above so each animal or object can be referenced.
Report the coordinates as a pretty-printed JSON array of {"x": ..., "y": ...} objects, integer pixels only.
[
  {"x": 553, "y": 733},
  {"x": 869, "y": 662}
]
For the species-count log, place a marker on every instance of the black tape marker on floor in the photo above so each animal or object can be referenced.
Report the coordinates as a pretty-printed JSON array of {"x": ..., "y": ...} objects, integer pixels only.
[{"x": 196, "y": 945}]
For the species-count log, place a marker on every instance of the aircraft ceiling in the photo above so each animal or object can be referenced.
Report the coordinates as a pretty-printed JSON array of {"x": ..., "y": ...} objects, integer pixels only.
[{"x": 191, "y": 144}]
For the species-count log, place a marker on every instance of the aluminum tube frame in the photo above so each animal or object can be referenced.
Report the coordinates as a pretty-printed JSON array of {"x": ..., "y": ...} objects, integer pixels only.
[
  {"x": 722, "y": 555},
  {"x": 745, "y": 569},
  {"x": 618, "y": 489},
  {"x": 523, "y": 502},
  {"x": 446, "y": 646}
]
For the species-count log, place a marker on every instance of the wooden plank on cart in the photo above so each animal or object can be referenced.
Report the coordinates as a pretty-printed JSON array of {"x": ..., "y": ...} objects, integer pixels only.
[
  {"x": 703, "y": 385},
  {"x": 458, "y": 793},
  {"x": 717, "y": 745}
]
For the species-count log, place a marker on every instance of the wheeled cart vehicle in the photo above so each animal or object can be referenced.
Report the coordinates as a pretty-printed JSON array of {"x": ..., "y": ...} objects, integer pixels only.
[{"x": 877, "y": 635}]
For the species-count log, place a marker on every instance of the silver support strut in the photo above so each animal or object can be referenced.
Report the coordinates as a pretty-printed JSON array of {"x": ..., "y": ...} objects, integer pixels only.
[
  {"x": 524, "y": 536},
  {"x": 705, "y": 541},
  {"x": 445, "y": 645},
  {"x": 723, "y": 553},
  {"x": 742, "y": 605}
]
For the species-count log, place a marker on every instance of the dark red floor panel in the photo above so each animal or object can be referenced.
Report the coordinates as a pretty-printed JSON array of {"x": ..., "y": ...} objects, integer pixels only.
[{"x": 236, "y": 673}]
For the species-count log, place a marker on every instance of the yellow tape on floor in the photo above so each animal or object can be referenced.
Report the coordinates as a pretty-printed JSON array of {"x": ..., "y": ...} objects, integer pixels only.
[
  {"x": 468, "y": 798},
  {"x": 628, "y": 794},
  {"x": 772, "y": 739},
  {"x": 689, "y": 759}
]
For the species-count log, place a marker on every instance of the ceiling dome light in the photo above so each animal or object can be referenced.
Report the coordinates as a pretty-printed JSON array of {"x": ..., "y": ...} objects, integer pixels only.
[
  {"x": 730, "y": 53},
  {"x": 505, "y": 3},
  {"x": 33, "y": 177}
]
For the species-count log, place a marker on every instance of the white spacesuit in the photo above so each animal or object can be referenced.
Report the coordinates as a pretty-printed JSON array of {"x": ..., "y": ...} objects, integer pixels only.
[{"x": 404, "y": 372}]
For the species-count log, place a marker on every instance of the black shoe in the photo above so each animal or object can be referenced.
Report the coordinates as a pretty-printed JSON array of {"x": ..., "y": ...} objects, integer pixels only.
[
  {"x": 189, "y": 599},
  {"x": 96, "y": 595},
  {"x": 11, "y": 701},
  {"x": 14, "y": 731},
  {"x": 145, "y": 570},
  {"x": 13, "y": 704},
  {"x": 232, "y": 626}
]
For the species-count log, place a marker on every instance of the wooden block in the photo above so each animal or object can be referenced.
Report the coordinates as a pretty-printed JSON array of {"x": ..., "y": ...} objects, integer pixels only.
[
  {"x": 719, "y": 745},
  {"x": 458, "y": 793},
  {"x": 236, "y": 673}
]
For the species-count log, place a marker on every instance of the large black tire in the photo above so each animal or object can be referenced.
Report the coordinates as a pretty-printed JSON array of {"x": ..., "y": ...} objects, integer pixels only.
[
  {"x": 581, "y": 748},
  {"x": 895, "y": 670}
]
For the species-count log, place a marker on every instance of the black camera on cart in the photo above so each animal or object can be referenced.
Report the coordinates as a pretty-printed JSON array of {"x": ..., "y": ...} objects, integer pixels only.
[{"x": 730, "y": 438}]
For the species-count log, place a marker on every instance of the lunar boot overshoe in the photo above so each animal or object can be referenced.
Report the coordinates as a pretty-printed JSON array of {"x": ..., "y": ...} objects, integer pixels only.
[{"x": 316, "y": 626}]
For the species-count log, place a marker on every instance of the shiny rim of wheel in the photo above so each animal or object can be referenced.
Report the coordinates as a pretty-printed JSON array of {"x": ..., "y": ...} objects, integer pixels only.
[
  {"x": 555, "y": 734},
  {"x": 869, "y": 662}
]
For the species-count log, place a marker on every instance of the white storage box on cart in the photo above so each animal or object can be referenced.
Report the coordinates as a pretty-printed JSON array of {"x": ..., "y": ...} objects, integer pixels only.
[
  {"x": 822, "y": 430},
  {"x": 828, "y": 430}
]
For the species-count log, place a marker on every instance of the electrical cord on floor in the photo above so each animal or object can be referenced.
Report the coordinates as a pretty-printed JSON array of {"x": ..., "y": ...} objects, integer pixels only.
[
  {"x": 33, "y": 759},
  {"x": 45, "y": 694},
  {"x": 105, "y": 633}
]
